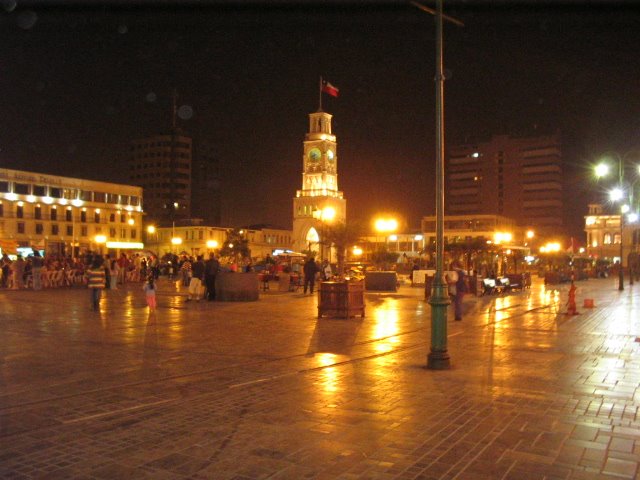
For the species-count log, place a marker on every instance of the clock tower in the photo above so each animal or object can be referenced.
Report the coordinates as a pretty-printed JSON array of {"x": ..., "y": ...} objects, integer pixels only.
[{"x": 319, "y": 203}]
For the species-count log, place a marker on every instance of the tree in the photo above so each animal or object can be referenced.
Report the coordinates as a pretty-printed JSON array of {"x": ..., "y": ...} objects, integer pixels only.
[
  {"x": 383, "y": 257},
  {"x": 341, "y": 235},
  {"x": 236, "y": 246}
]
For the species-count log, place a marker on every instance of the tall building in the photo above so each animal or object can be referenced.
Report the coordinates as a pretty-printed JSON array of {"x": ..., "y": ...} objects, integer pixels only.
[
  {"x": 205, "y": 185},
  {"x": 515, "y": 177},
  {"x": 162, "y": 165},
  {"x": 319, "y": 202}
]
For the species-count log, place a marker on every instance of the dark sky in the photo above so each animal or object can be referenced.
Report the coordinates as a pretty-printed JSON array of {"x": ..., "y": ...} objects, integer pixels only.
[{"x": 79, "y": 81}]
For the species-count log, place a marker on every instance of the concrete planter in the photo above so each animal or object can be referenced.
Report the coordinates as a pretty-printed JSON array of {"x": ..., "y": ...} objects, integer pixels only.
[
  {"x": 381, "y": 281},
  {"x": 237, "y": 287}
]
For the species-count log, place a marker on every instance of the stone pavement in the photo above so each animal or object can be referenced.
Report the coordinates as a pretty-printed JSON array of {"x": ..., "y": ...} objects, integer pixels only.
[{"x": 263, "y": 390}]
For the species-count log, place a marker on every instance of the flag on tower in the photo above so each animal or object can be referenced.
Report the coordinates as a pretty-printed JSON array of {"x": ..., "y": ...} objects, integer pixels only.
[{"x": 329, "y": 89}]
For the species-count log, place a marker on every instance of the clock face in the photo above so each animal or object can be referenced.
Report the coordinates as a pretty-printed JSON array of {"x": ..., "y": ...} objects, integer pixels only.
[
  {"x": 330, "y": 156},
  {"x": 314, "y": 155}
]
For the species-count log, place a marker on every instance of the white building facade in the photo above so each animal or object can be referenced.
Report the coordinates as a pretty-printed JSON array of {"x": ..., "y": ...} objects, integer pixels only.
[{"x": 64, "y": 215}]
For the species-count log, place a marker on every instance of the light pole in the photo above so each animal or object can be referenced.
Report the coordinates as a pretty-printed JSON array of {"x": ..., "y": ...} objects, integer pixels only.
[
  {"x": 438, "y": 358},
  {"x": 616, "y": 195}
]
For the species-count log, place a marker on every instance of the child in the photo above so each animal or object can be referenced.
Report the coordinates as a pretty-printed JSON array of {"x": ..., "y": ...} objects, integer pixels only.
[{"x": 150, "y": 293}]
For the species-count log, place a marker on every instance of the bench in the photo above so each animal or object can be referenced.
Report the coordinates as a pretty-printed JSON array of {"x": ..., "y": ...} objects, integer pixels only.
[{"x": 489, "y": 286}]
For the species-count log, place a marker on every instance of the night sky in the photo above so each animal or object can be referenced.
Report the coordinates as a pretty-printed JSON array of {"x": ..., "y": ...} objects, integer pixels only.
[{"x": 79, "y": 82}]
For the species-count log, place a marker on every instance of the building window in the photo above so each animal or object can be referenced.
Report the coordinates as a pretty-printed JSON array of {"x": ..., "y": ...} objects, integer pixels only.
[
  {"x": 21, "y": 188},
  {"x": 83, "y": 231},
  {"x": 69, "y": 231},
  {"x": 607, "y": 239},
  {"x": 96, "y": 217},
  {"x": 83, "y": 216},
  {"x": 616, "y": 239},
  {"x": 39, "y": 229},
  {"x": 69, "y": 215},
  {"x": 54, "y": 229},
  {"x": 112, "y": 233},
  {"x": 53, "y": 214},
  {"x": 123, "y": 233},
  {"x": 1, "y": 210},
  {"x": 20, "y": 227},
  {"x": 37, "y": 212},
  {"x": 123, "y": 218},
  {"x": 133, "y": 233},
  {"x": 20, "y": 211},
  {"x": 112, "y": 217},
  {"x": 39, "y": 190}
]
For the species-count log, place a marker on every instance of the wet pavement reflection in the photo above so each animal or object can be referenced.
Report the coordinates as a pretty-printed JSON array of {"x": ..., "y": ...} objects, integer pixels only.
[{"x": 267, "y": 390}]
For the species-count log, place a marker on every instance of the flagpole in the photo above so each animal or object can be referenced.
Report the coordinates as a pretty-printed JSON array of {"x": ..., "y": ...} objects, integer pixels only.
[{"x": 320, "y": 95}]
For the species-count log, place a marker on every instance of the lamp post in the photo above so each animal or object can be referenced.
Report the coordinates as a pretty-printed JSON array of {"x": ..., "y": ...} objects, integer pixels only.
[
  {"x": 616, "y": 195},
  {"x": 438, "y": 358}
]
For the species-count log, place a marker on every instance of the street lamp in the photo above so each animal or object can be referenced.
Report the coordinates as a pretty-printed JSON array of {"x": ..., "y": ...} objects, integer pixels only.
[
  {"x": 617, "y": 194},
  {"x": 438, "y": 358}
]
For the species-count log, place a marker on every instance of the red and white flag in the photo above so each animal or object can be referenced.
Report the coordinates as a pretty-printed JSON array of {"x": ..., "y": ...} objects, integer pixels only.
[{"x": 329, "y": 89}]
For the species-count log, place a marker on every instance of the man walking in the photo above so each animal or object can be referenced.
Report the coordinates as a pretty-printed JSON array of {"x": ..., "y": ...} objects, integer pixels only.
[{"x": 211, "y": 268}]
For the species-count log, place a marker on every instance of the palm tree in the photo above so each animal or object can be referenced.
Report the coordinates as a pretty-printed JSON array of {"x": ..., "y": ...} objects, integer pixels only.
[{"x": 341, "y": 236}]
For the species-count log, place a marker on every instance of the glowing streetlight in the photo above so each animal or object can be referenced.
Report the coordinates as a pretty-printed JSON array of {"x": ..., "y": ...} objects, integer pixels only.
[
  {"x": 601, "y": 170},
  {"x": 616, "y": 194},
  {"x": 530, "y": 234},
  {"x": 176, "y": 241},
  {"x": 386, "y": 225},
  {"x": 151, "y": 229},
  {"x": 211, "y": 244},
  {"x": 357, "y": 251}
]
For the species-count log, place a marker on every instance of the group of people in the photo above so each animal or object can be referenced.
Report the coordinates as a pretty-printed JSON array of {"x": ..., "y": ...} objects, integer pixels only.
[
  {"x": 53, "y": 271},
  {"x": 313, "y": 270},
  {"x": 37, "y": 272},
  {"x": 200, "y": 278}
]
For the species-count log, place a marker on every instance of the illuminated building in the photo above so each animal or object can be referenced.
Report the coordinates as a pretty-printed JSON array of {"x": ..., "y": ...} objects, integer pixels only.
[
  {"x": 200, "y": 240},
  {"x": 319, "y": 202},
  {"x": 603, "y": 235},
  {"x": 52, "y": 213},
  {"x": 517, "y": 177},
  {"x": 461, "y": 228}
]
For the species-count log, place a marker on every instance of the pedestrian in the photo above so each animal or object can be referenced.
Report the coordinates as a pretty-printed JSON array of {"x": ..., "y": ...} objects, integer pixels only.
[
  {"x": 18, "y": 273},
  {"x": 327, "y": 274},
  {"x": 197, "y": 277},
  {"x": 36, "y": 270},
  {"x": 460, "y": 288},
  {"x": 114, "y": 274},
  {"x": 150, "y": 293},
  {"x": 96, "y": 282},
  {"x": 6, "y": 270},
  {"x": 310, "y": 270},
  {"x": 212, "y": 267}
]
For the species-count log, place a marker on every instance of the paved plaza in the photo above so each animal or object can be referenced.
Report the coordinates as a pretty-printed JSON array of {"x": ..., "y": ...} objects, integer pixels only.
[{"x": 207, "y": 390}]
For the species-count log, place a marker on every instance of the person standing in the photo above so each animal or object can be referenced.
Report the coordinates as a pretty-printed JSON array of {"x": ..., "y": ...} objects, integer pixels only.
[
  {"x": 114, "y": 273},
  {"x": 197, "y": 276},
  {"x": 212, "y": 266},
  {"x": 327, "y": 274},
  {"x": 36, "y": 270},
  {"x": 96, "y": 282},
  {"x": 460, "y": 290},
  {"x": 150, "y": 293},
  {"x": 6, "y": 270},
  {"x": 18, "y": 273},
  {"x": 310, "y": 270}
]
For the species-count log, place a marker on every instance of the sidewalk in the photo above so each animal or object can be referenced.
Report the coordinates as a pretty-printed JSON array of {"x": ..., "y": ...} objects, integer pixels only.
[{"x": 266, "y": 390}]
